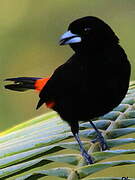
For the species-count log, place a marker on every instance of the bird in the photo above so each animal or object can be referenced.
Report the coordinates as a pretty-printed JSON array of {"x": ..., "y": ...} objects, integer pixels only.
[{"x": 91, "y": 83}]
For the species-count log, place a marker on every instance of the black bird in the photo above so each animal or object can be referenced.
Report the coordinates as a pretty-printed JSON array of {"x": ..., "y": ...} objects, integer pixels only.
[{"x": 92, "y": 82}]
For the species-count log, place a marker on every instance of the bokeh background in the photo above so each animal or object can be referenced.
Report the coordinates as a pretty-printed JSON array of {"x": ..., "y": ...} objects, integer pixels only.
[{"x": 29, "y": 35}]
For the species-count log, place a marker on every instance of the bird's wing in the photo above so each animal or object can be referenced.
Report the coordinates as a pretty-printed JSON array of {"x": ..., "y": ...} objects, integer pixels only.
[{"x": 65, "y": 80}]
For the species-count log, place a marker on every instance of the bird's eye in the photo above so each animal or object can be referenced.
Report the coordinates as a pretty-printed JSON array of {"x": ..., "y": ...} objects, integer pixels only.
[{"x": 87, "y": 29}]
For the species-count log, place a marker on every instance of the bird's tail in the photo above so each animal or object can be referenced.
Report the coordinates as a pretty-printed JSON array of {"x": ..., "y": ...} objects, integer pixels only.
[{"x": 26, "y": 83}]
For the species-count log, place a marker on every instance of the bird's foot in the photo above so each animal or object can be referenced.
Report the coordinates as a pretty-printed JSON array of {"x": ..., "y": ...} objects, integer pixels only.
[
  {"x": 102, "y": 142},
  {"x": 87, "y": 157}
]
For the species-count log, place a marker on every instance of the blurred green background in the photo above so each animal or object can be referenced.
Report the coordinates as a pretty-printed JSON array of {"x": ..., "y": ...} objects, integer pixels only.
[{"x": 29, "y": 35}]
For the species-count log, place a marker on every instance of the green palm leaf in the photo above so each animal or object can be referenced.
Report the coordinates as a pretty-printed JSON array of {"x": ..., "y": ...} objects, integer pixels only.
[{"x": 27, "y": 150}]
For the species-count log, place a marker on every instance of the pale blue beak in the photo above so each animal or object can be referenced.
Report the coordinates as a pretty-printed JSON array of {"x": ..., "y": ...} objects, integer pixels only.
[{"x": 69, "y": 38}]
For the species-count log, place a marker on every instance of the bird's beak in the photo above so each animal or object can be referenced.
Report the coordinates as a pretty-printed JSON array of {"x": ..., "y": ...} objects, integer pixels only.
[{"x": 69, "y": 38}]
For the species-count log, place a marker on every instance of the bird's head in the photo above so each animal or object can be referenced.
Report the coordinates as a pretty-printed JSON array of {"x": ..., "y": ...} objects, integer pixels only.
[{"x": 88, "y": 33}]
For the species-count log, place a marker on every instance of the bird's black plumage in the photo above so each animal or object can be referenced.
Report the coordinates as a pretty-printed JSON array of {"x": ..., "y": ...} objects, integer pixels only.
[{"x": 93, "y": 81}]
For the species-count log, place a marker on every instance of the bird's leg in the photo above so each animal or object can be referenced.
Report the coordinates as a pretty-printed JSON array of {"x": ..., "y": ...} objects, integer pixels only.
[
  {"x": 85, "y": 155},
  {"x": 99, "y": 138}
]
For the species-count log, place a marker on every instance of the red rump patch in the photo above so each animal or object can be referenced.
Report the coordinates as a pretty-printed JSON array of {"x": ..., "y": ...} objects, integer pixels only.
[
  {"x": 50, "y": 104},
  {"x": 40, "y": 83}
]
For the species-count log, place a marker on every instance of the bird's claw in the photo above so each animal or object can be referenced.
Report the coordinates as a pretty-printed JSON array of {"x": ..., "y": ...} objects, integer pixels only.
[
  {"x": 94, "y": 140},
  {"x": 102, "y": 142}
]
